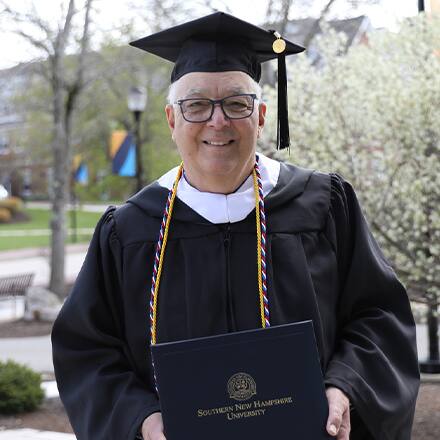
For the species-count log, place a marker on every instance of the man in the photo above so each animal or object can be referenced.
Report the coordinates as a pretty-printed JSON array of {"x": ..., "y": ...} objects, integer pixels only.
[{"x": 322, "y": 262}]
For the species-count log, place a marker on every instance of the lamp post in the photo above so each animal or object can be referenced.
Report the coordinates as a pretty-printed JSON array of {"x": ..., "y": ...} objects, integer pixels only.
[{"x": 137, "y": 100}]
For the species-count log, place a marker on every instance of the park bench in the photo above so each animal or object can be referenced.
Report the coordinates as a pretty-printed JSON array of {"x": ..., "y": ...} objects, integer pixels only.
[{"x": 15, "y": 286}]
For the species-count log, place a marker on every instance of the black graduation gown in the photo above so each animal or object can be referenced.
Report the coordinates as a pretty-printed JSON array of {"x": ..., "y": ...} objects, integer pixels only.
[{"x": 323, "y": 264}]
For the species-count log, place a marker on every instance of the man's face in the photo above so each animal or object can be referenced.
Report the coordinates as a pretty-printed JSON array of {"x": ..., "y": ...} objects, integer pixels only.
[{"x": 220, "y": 147}]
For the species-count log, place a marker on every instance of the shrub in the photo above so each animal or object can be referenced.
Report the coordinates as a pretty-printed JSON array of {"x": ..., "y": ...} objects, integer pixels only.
[
  {"x": 5, "y": 215},
  {"x": 20, "y": 388},
  {"x": 13, "y": 204}
]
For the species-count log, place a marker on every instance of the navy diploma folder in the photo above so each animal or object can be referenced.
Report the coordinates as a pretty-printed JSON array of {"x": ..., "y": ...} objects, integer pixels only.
[{"x": 255, "y": 384}]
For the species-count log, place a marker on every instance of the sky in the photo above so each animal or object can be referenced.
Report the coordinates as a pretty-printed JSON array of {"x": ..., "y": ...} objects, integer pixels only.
[{"x": 14, "y": 50}]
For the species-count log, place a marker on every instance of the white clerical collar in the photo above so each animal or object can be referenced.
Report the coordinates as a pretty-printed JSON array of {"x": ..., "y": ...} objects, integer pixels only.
[{"x": 225, "y": 208}]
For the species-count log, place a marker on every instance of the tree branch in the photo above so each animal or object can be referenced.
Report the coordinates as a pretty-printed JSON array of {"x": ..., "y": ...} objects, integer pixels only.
[
  {"x": 75, "y": 88},
  {"x": 84, "y": 44},
  {"x": 315, "y": 27},
  {"x": 36, "y": 43}
]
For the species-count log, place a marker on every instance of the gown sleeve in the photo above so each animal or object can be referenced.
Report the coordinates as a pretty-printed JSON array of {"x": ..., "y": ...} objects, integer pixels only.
[
  {"x": 103, "y": 397},
  {"x": 375, "y": 359}
]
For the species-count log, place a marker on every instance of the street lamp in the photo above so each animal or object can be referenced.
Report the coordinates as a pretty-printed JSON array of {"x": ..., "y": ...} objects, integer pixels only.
[{"x": 137, "y": 100}]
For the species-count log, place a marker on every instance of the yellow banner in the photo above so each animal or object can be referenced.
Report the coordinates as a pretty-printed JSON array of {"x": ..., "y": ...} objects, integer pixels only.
[
  {"x": 116, "y": 139},
  {"x": 76, "y": 162}
]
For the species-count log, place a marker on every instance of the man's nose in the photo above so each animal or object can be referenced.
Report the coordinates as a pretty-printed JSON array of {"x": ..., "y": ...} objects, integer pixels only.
[{"x": 218, "y": 119}]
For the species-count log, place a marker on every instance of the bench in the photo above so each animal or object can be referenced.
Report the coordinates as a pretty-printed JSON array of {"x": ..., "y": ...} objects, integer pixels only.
[{"x": 15, "y": 286}]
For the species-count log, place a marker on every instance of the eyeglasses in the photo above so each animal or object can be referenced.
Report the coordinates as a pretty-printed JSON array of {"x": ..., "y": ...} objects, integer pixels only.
[{"x": 202, "y": 109}]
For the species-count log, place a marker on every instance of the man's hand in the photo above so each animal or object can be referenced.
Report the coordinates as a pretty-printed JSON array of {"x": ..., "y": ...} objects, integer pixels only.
[
  {"x": 152, "y": 427},
  {"x": 338, "y": 423}
]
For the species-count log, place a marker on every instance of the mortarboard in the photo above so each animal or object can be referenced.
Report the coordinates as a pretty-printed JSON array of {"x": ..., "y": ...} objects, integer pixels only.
[{"x": 220, "y": 42}]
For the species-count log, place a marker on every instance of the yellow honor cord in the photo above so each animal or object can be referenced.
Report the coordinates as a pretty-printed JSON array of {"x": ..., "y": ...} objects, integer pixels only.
[
  {"x": 257, "y": 217},
  {"x": 162, "y": 253},
  {"x": 164, "y": 244}
]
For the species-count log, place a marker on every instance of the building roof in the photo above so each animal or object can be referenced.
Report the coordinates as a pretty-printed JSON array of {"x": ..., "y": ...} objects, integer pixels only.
[{"x": 353, "y": 28}]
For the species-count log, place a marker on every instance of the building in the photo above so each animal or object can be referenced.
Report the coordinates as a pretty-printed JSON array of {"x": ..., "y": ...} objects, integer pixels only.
[
  {"x": 432, "y": 6},
  {"x": 19, "y": 173},
  {"x": 10, "y": 122},
  {"x": 304, "y": 31}
]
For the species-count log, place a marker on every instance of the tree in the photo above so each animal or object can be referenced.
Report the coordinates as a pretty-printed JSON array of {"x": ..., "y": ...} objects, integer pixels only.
[
  {"x": 162, "y": 14},
  {"x": 100, "y": 111},
  {"x": 105, "y": 109},
  {"x": 54, "y": 40},
  {"x": 280, "y": 12},
  {"x": 372, "y": 116}
]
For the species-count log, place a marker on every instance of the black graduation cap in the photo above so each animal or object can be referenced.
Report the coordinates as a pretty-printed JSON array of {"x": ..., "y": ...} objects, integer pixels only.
[{"x": 220, "y": 42}]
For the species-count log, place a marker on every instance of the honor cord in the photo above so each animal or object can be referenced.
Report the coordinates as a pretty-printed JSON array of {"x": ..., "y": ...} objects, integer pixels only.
[{"x": 162, "y": 243}]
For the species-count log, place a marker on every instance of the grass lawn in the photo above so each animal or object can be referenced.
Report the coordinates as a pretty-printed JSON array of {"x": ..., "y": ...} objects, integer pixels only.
[{"x": 40, "y": 219}]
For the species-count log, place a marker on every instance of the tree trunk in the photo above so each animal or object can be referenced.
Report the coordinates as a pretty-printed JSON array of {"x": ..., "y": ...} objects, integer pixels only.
[
  {"x": 433, "y": 338},
  {"x": 64, "y": 103},
  {"x": 432, "y": 364},
  {"x": 60, "y": 196}
]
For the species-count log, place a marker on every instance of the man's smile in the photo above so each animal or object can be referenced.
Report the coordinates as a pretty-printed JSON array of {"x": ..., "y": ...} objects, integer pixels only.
[{"x": 218, "y": 143}]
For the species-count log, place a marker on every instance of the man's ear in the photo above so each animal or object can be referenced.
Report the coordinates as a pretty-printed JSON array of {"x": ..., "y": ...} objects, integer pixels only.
[
  {"x": 261, "y": 117},
  {"x": 169, "y": 111}
]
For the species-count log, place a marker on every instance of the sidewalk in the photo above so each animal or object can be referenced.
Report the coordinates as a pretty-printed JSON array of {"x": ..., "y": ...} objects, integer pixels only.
[
  {"x": 37, "y": 260},
  {"x": 35, "y": 352},
  {"x": 89, "y": 207}
]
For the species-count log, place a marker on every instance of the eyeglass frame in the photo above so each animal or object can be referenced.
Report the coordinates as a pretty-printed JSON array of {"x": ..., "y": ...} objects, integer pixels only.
[{"x": 214, "y": 102}]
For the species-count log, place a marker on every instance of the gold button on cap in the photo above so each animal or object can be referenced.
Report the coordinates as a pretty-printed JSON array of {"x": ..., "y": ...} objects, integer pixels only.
[{"x": 279, "y": 45}]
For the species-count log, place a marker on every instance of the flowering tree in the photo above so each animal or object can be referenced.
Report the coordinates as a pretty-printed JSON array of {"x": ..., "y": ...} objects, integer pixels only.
[{"x": 373, "y": 116}]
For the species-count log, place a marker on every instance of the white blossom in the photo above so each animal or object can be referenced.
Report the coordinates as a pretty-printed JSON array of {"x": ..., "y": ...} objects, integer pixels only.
[{"x": 373, "y": 115}]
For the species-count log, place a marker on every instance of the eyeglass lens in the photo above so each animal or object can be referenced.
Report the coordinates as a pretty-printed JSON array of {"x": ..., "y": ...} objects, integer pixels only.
[{"x": 234, "y": 107}]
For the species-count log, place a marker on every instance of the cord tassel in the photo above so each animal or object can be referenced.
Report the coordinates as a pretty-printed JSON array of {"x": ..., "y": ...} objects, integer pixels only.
[{"x": 283, "y": 136}]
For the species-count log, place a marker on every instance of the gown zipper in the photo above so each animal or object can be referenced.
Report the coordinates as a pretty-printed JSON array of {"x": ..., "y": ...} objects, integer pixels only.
[{"x": 229, "y": 306}]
